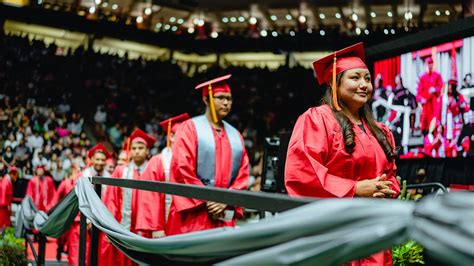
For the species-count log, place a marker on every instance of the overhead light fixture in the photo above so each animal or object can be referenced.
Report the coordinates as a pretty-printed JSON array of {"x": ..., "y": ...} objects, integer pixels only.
[
  {"x": 292, "y": 33},
  {"x": 288, "y": 17},
  {"x": 167, "y": 27},
  {"x": 302, "y": 19},
  {"x": 367, "y": 32},
  {"x": 233, "y": 19},
  {"x": 139, "y": 19},
  {"x": 180, "y": 21},
  {"x": 97, "y": 2},
  {"x": 214, "y": 34},
  {"x": 148, "y": 11},
  {"x": 309, "y": 30},
  {"x": 114, "y": 6},
  {"x": 438, "y": 13},
  {"x": 263, "y": 33},
  {"x": 389, "y": 14},
  {"x": 273, "y": 17},
  {"x": 392, "y": 31},
  {"x": 92, "y": 9},
  {"x": 354, "y": 17},
  {"x": 105, "y": 4},
  {"x": 385, "y": 31},
  {"x": 191, "y": 30},
  {"x": 253, "y": 20},
  {"x": 447, "y": 12},
  {"x": 158, "y": 25},
  {"x": 172, "y": 19},
  {"x": 225, "y": 20},
  {"x": 241, "y": 19},
  {"x": 338, "y": 15},
  {"x": 322, "y": 32},
  {"x": 322, "y": 16},
  {"x": 408, "y": 15},
  {"x": 372, "y": 14},
  {"x": 358, "y": 31},
  {"x": 274, "y": 33}
]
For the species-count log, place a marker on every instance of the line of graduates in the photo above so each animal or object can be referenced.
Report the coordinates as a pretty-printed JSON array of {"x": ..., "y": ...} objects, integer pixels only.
[{"x": 336, "y": 150}]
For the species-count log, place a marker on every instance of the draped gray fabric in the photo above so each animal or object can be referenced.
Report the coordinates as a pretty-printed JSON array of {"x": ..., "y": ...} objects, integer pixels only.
[{"x": 326, "y": 232}]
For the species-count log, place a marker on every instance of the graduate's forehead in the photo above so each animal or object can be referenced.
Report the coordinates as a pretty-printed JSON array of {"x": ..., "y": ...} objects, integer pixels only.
[
  {"x": 225, "y": 94},
  {"x": 357, "y": 71}
]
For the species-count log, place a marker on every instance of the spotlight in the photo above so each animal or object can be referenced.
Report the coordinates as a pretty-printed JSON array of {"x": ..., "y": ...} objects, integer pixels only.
[
  {"x": 322, "y": 32},
  {"x": 253, "y": 20},
  {"x": 338, "y": 15},
  {"x": 263, "y": 33}
]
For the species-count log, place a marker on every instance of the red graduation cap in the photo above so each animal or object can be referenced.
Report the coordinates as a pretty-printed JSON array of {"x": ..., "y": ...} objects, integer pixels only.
[
  {"x": 99, "y": 148},
  {"x": 172, "y": 124},
  {"x": 429, "y": 60},
  {"x": 328, "y": 67},
  {"x": 214, "y": 86},
  {"x": 453, "y": 81},
  {"x": 140, "y": 136}
]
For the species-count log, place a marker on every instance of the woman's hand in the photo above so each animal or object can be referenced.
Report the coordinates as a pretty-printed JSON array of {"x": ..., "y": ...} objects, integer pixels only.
[
  {"x": 378, "y": 187},
  {"x": 215, "y": 209}
]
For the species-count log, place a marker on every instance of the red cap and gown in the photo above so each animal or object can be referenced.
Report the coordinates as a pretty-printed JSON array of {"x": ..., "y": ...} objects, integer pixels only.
[{"x": 317, "y": 164}]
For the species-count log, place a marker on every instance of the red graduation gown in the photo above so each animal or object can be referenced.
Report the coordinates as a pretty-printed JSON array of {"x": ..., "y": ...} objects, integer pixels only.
[
  {"x": 189, "y": 215},
  {"x": 113, "y": 199},
  {"x": 317, "y": 164},
  {"x": 6, "y": 198},
  {"x": 432, "y": 106},
  {"x": 152, "y": 204},
  {"x": 41, "y": 191}
]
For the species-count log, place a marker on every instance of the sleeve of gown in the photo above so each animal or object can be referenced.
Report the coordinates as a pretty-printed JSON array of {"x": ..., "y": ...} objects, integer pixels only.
[
  {"x": 305, "y": 170},
  {"x": 392, "y": 172},
  {"x": 241, "y": 181},
  {"x": 183, "y": 165},
  {"x": 151, "y": 210},
  {"x": 111, "y": 197}
]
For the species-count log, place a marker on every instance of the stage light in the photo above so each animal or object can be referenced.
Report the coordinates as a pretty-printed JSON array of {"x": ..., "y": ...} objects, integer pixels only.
[
  {"x": 385, "y": 31},
  {"x": 167, "y": 27},
  {"x": 302, "y": 19},
  {"x": 408, "y": 15},
  {"x": 273, "y": 17},
  {"x": 174, "y": 28},
  {"x": 358, "y": 31},
  {"x": 253, "y": 20},
  {"x": 372, "y": 14},
  {"x": 447, "y": 12},
  {"x": 92, "y": 9},
  {"x": 114, "y": 6},
  {"x": 367, "y": 32},
  {"x": 225, "y": 20},
  {"x": 354, "y": 17},
  {"x": 322, "y": 32},
  {"x": 191, "y": 30},
  {"x": 322, "y": 16},
  {"x": 437, "y": 13},
  {"x": 338, "y": 15},
  {"x": 180, "y": 21},
  {"x": 201, "y": 23},
  {"x": 172, "y": 19},
  {"x": 309, "y": 30},
  {"x": 233, "y": 19},
  {"x": 389, "y": 14},
  {"x": 392, "y": 31},
  {"x": 105, "y": 4},
  {"x": 292, "y": 33},
  {"x": 147, "y": 11},
  {"x": 139, "y": 19},
  {"x": 274, "y": 33},
  {"x": 288, "y": 17},
  {"x": 97, "y": 2},
  {"x": 158, "y": 25},
  {"x": 214, "y": 34},
  {"x": 241, "y": 19},
  {"x": 263, "y": 33}
]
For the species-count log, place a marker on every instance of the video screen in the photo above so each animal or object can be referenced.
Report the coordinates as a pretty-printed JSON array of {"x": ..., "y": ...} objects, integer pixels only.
[{"x": 426, "y": 98}]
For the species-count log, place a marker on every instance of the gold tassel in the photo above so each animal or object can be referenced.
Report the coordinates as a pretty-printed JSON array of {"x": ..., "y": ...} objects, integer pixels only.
[
  {"x": 211, "y": 102},
  {"x": 127, "y": 149},
  {"x": 333, "y": 87},
  {"x": 168, "y": 137}
]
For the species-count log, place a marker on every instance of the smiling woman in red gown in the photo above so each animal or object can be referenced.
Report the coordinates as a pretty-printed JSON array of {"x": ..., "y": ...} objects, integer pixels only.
[{"x": 337, "y": 149}]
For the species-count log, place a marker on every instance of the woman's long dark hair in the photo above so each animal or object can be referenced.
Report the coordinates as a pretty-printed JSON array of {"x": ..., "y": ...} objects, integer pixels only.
[{"x": 347, "y": 127}]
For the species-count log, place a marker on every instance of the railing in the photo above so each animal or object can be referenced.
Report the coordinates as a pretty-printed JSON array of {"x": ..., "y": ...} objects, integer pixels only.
[
  {"x": 261, "y": 201},
  {"x": 429, "y": 185}
]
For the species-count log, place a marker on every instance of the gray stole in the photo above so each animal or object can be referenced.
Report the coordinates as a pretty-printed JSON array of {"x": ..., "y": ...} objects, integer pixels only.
[
  {"x": 206, "y": 150},
  {"x": 127, "y": 198}
]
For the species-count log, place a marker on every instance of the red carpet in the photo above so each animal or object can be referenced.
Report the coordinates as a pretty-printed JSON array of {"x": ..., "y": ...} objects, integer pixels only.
[{"x": 50, "y": 255}]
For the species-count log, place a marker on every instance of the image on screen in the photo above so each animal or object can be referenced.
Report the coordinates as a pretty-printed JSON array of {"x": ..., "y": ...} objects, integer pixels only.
[{"x": 426, "y": 98}]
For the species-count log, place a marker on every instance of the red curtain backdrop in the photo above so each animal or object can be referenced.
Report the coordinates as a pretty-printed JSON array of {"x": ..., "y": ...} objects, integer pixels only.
[{"x": 388, "y": 68}]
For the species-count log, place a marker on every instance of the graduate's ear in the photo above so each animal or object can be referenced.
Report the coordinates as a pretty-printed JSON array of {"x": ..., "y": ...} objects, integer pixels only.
[{"x": 205, "y": 100}]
